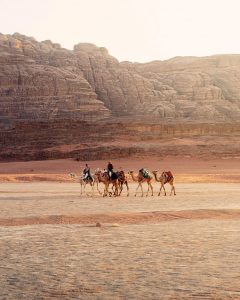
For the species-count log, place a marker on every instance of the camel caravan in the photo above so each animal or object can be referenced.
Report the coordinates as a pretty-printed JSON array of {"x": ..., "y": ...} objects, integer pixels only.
[{"x": 115, "y": 181}]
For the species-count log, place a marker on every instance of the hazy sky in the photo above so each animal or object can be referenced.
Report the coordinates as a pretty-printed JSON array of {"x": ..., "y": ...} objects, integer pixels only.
[{"x": 135, "y": 30}]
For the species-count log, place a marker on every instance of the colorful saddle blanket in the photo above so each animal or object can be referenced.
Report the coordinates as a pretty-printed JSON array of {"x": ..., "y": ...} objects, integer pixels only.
[
  {"x": 145, "y": 173},
  {"x": 169, "y": 176}
]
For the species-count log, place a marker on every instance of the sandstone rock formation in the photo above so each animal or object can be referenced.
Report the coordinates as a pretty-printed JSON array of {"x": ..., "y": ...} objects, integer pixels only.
[
  {"x": 198, "y": 88},
  {"x": 84, "y": 103},
  {"x": 36, "y": 83},
  {"x": 89, "y": 84}
]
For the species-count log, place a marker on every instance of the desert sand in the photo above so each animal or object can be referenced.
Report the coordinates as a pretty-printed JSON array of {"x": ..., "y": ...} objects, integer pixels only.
[
  {"x": 174, "y": 247},
  {"x": 185, "y": 169}
]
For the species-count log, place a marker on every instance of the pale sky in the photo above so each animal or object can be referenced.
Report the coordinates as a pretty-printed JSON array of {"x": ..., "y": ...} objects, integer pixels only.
[{"x": 134, "y": 30}]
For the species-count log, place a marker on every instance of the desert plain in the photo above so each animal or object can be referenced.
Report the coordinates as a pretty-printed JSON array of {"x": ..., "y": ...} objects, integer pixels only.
[{"x": 174, "y": 247}]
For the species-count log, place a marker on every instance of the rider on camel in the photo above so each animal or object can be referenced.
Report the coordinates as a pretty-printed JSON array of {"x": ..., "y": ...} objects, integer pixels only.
[
  {"x": 86, "y": 173},
  {"x": 110, "y": 169}
]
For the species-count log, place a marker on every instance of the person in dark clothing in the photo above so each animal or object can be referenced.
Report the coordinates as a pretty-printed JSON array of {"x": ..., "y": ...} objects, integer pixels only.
[
  {"x": 86, "y": 173},
  {"x": 110, "y": 169}
]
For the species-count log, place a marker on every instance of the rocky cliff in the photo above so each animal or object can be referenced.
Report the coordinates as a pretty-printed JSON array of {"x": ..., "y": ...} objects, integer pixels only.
[
  {"x": 56, "y": 102},
  {"x": 196, "y": 88},
  {"x": 41, "y": 80}
]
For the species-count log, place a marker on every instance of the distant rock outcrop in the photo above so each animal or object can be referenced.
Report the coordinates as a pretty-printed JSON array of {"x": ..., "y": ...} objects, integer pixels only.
[
  {"x": 41, "y": 80},
  {"x": 84, "y": 103},
  {"x": 205, "y": 89}
]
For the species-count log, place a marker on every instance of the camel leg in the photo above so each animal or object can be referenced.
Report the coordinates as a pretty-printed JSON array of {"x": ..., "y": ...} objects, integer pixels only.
[
  {"x": 147, "y": 189},
  {"x": 160, "y": 190},
  {"x": 142, "y": 189},
  {"x": 81, "y": 189},
  {"x": 84, "y": 189},
  {"x": 174, "y": 191},
  {"x": 165, "y": 194},
  {"x": 92, "y": 184},
  {"x": 105, "y": 193},
  {"x": 113, "y": 186},
  {"x": 171, "y": 189},
  {"x": 107, "y": 189},
  {"x": 98, "y": 189},
  {"x": 120, "y": 189},
  {"x": 116, "y": 190},
  {"x": 137, "y": 189},
  {"x": 127, "y": 188},
  {"x": 113, "y": 192},
  {"x": 162, "y": 186},
  {"x": 151, "y": 188}
]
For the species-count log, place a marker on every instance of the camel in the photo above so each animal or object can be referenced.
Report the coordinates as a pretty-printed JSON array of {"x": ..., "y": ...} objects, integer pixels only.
[
  {"x": 122, "y": 179},
  {"x": 163, "y": 179},
  {"x": 83, "y": 183},
  {"x": 104, "y": 178},
  {"x": 140, "y": 179}
]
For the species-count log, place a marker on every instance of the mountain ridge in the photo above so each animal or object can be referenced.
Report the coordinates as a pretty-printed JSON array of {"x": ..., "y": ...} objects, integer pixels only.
[
  {"x": 84, "y": 103},
  {"x": 183, "y": 88}
]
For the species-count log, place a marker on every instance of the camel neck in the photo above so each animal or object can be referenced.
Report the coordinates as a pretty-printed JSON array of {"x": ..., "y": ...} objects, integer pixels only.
[
  {"x": 133, "y": 177},
  {"x": 155, "y": 176}
]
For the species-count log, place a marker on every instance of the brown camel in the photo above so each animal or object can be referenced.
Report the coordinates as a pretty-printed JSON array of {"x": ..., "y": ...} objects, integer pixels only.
[
  {"x": 163, "y": 179},
  {"x": 140, "y": 179},
  {"x": 83, "y": 182},
  {"x": 104, "y": 178},
  {"x": 122, "y": 179}
]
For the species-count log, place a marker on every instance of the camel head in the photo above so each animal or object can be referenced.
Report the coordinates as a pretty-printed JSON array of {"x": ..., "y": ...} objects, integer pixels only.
[
  {"x": 72, "y": 175},
  {"x": 130, "y": 172},
  {"x": 154, "y": 172}
]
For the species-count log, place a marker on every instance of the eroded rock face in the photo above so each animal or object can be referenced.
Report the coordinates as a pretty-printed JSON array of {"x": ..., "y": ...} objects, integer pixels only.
[
  {"x": 190, "y": 89},
  {"x": 38, "y": 82},
  {"x": 196, "y": 88},
  {"x": 83, "y": 103},
  {"x": 45, "y": 81}
]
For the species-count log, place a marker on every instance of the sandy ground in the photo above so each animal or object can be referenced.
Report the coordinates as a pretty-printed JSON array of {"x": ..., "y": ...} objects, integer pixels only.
[
  {"x": 182, "y": 247},
  {"x": 185, "y": 169}
]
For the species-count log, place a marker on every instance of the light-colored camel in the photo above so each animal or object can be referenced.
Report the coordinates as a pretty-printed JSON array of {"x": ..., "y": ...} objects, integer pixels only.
[
  {"x": 141, "y": 179},
  {"x": 163, "y": 179},
  {"x": 103, "y": 177},
  {"x": 83, "y": 183}
]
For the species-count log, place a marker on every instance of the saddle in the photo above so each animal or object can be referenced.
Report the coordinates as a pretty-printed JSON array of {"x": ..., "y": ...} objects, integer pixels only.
[
  {"x": 114, "y": 176},
  {"x": 169, "y": 176},
  {"x": 88, "y": 178},
  {"x": 145, "y": 173}
]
